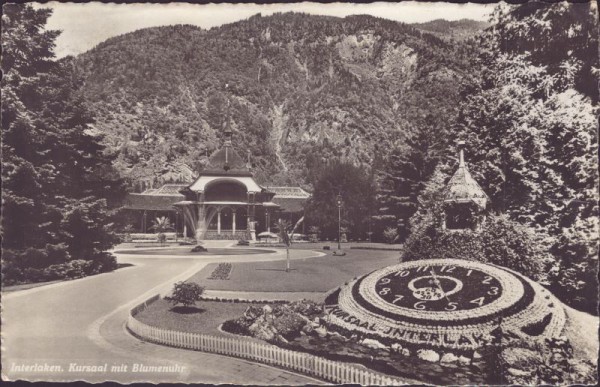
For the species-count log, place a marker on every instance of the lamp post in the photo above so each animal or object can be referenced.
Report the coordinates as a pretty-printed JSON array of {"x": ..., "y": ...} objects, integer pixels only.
[{"x": 338, "y": 201}]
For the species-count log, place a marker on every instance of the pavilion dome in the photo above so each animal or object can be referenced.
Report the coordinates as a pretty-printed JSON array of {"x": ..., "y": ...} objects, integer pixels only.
[
  {"x": 462, "y": 188},
  {"x": 226, "y": 160}
]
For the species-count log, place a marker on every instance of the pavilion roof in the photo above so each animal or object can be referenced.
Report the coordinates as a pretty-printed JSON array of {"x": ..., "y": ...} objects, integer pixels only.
[
  {"x": 167, "y": 189},
  {"x": 226, "y": 156},
  {"x": 151, "y": 202},
  {"x": 462, "y": 188},
  {"x": 289, "y": 192}
]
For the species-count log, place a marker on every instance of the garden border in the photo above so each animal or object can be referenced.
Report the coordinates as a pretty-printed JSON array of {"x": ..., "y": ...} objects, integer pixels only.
[{"x": 329, "y": 370}]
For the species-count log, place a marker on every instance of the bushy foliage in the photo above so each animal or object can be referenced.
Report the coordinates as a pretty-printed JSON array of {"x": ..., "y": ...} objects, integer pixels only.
[
  {"x": 549, "y": 362},
  {"x": 15, "y": 272},
  {"x": 276, "y": 322},
  {"x": 59, "y": 186},
  {"x": 500, "y": 241},
  {"x": 313, "y": 235},
  {"x": 352, "y": 183},
  {"x": 161, "y": 225},
  {"x": 573, "y": 275},
  {"x": 390, "y": 234},
  {"x": 185, "y": 293},
  {"x": 531, "y": 129}
]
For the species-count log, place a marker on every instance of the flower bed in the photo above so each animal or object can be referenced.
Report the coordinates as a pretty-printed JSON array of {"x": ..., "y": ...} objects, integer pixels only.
[
  {"x": 302, "y": 326},
  {"x": 221, "y": 272},
  {"x": 522, "y": 304}
]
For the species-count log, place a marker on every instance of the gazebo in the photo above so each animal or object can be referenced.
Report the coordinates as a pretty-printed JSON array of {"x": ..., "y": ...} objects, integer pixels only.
[{"x": 465, "y": 202}]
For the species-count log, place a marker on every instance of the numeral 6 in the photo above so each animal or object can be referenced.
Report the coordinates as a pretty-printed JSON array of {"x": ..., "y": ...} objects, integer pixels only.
[{"x": 420, "y": 305}]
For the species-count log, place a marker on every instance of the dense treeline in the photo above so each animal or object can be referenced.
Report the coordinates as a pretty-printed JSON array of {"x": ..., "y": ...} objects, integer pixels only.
[
  {"x": 530, "y": 125},
  {"x": 58, "y": 184}
]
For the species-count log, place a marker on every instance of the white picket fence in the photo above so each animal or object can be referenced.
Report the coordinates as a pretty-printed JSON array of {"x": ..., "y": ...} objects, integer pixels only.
[{"x": 332, "y": 371}]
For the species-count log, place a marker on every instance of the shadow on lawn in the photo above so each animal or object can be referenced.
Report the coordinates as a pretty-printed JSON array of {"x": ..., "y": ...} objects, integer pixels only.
[{"x": 187, "y": 309}]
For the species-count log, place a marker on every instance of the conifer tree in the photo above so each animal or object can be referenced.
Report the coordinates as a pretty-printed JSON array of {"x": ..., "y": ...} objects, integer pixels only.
[{"x": 58, "y": 182}]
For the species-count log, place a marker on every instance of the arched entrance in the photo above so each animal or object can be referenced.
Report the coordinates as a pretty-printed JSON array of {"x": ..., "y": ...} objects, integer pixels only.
[{"x": 229, "y": 220}]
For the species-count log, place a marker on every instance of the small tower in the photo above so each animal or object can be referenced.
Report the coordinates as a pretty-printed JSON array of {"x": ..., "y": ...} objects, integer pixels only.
[{"x": 465, "y": 202}]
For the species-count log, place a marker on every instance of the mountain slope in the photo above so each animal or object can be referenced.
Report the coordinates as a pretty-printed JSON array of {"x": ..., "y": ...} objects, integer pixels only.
[
  {"x": 457, "y": 29},
  {"x": 301, "y": 89}
]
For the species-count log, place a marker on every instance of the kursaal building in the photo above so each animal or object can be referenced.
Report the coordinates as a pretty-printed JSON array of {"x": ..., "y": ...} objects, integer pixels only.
[{"x": 224, "y": 202}]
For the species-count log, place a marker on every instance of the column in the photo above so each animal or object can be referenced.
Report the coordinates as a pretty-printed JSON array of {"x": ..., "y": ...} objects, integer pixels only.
[
  {"x": 248, "y": 213},
  {"x": 233, "y": 221},
  {"x": 219, "y": 222}
]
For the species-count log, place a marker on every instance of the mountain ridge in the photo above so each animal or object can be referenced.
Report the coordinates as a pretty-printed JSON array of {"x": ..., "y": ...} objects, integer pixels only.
[{"x": 334, "y": 87}]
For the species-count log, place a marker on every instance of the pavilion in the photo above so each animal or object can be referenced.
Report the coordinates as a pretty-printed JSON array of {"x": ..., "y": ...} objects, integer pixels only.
[
  {"x": 465, "y": 202},
  {"x": 225, "y": 199}
]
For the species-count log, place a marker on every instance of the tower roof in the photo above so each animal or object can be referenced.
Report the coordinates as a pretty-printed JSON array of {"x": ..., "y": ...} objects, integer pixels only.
[
  {"x": 226, "y": 161},
  {"x": 462, "y": 188}
]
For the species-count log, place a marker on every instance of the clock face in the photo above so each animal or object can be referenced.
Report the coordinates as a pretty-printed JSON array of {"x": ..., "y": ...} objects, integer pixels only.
[
  {"x": 438, "y": 287},
  {"x": 448, "y": 303},
  {"x": 438, "y": 290}
]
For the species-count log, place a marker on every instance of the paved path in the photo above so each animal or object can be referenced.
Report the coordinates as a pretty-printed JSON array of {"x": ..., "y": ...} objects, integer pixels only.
[{"x": 51, "y": 332}]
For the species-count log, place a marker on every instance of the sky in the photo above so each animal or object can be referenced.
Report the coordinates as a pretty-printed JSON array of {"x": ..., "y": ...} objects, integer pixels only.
[{"x": 84, "y": 25}]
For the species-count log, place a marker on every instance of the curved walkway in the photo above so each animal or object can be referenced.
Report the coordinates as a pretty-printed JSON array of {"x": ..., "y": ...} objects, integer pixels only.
[{"x": 75, "y": 330}]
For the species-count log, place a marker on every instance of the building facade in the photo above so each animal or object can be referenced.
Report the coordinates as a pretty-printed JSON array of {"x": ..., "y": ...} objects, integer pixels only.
[{"x": 223, "y": 202}]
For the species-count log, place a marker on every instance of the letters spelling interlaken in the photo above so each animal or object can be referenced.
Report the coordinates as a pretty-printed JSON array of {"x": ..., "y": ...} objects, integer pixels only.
[{"x": 414, "y": 336}]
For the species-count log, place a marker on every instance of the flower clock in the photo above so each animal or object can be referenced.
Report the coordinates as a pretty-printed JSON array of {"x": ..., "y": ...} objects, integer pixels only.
[{"x": 449, "y": 303}]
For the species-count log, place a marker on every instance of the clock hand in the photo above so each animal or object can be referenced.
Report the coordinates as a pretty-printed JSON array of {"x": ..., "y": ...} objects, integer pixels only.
[{"x": 439, "y": 285}]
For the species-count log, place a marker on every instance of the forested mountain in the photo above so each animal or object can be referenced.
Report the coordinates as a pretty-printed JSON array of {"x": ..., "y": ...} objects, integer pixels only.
[
  {"x": 455, "y": 29},
  {"x": 303, "y": 89}
]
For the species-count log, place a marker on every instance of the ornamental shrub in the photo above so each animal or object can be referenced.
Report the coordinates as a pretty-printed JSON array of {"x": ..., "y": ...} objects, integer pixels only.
[
  {"x": 550, "y": 362},
  {"x": 574, "y": 275},
  {"x": 500, "y": 241},
  {"x": 185, "y": 293},
  {"x": 390, "y": 234}
]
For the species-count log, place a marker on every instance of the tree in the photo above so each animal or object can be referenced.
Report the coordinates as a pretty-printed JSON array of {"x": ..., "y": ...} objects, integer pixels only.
[
  {"x": 161, "y": 225},
  {"x": 531, "y": 127},
  {"x": 409, "y": 165},
  {"x": 351, "y": 183},
  {"x": 59, "y": 186},
  {"x": 185, "y": 293},
  {"x": 283, "y": 227}
]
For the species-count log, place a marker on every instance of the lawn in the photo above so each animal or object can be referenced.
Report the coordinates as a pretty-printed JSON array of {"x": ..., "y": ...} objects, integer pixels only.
[
  {"x": 307, "y": 275},
  {"x": 205, "y": 317}
]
